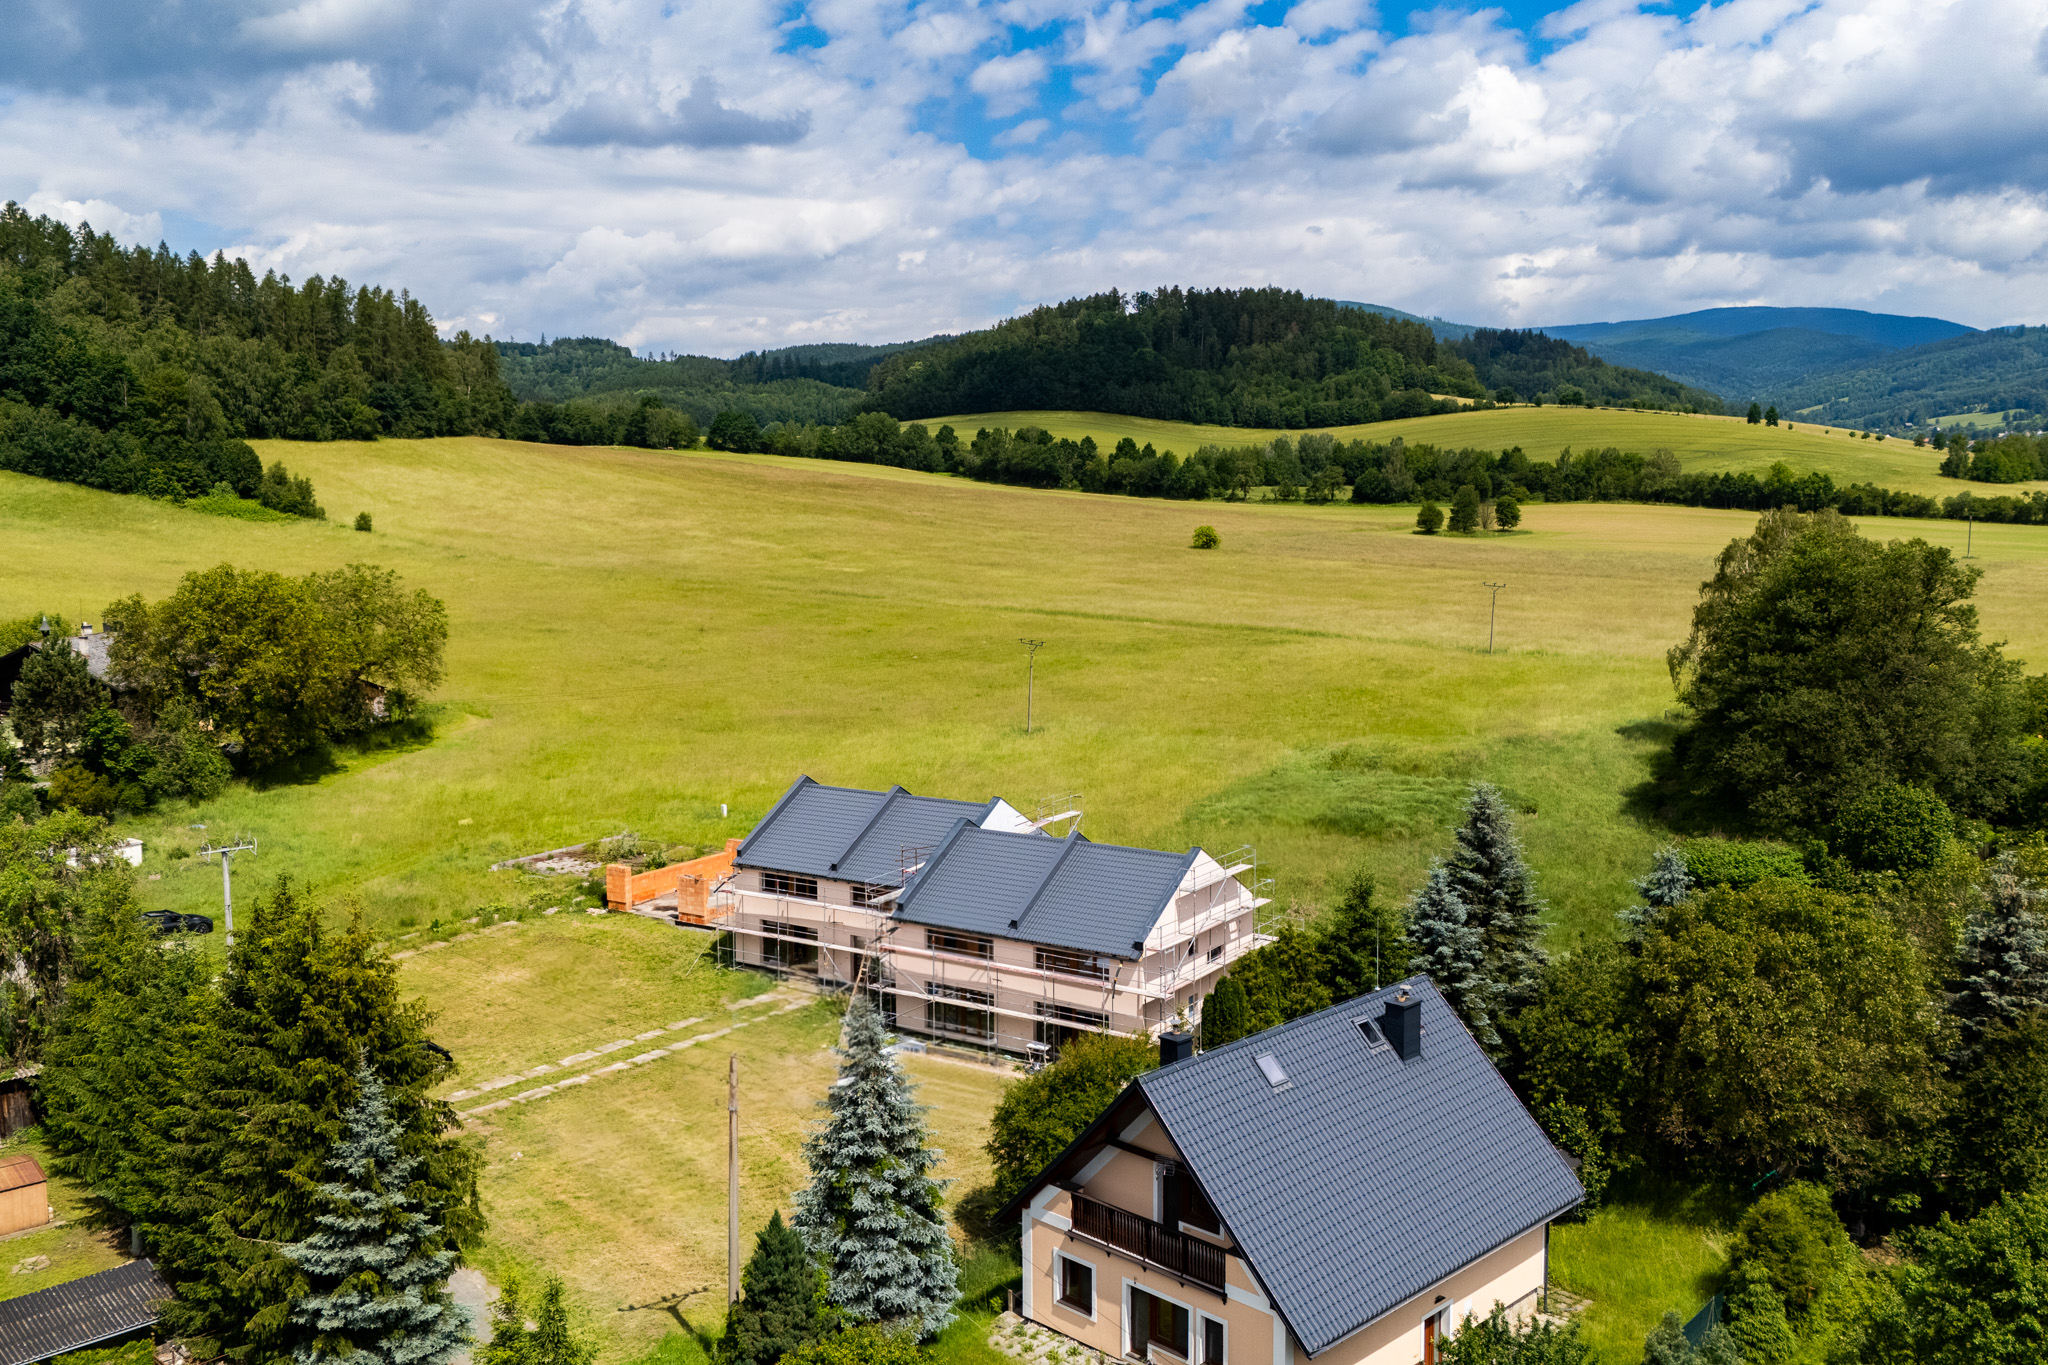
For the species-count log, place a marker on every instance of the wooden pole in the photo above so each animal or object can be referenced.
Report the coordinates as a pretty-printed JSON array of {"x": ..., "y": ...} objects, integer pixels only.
[{"x": 732, "y": 1179}]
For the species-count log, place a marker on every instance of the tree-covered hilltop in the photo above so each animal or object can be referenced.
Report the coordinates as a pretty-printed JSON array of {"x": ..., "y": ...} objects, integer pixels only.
[
  {"x": 599, "y": 376},
  {"x": 143, "y": 371},
  {"x": 1244, "y": 357}
]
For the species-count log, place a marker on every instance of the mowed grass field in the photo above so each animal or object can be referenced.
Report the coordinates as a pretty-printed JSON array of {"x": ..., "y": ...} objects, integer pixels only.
[
  {"x": 1707, "y": 444},
  {"x": 641, "y": 637},
  {"x": 618, "y": 1185}
]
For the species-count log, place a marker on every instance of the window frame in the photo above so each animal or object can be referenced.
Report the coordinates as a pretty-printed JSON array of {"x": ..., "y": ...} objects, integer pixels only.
[
  {"x": 783, "y": 955},
  {"x": 1201, "y": 1343},
  {"x": 1131, "y": 1322},
  {"x": 789, "y": 885},
  {"x": 1061, "y": 1260},
  {"x": 961, "y": 944},
  {"x": 1070, "y": 962},
  {"x": 960, "y": 1002}
]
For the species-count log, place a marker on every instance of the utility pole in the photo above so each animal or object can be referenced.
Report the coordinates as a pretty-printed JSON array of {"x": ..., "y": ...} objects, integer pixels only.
[
  {"x": 1969, "y": 530},
  {"x": 732, "y": 1179},
  {"x": 227, "y": 888},
  {"x": 1030, "y": 676},
  {"x": 1493, "y": 612}
]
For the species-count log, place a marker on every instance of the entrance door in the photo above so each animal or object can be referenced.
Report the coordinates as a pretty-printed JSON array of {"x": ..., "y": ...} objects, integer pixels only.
[{"x": 1433, "y": 1334}]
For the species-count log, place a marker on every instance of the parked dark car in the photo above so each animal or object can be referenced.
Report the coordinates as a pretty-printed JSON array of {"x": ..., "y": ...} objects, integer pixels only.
[{"x": 171, "y": 922}]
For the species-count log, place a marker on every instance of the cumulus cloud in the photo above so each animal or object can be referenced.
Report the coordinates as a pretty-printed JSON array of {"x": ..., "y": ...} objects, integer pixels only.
[{"x": 907, "y": 168}]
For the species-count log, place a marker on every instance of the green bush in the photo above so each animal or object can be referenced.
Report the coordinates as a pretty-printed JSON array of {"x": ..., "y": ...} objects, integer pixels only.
[
  {"x": 1758, "y": 1324},
  {"x": 1727, "y": 862},
  {"x": 362, "y": 521},
  {"x": 1205, "y": 538},
  {"x": 1430, "y": 519},
  {"x": 1895, "y": 829},
  {"x": 861, "y": 1346},
  {"x": 1792, "y": 1240},
  {"x": 1978, "y": 1294},
  {"x": 1040, "y": 1114}
]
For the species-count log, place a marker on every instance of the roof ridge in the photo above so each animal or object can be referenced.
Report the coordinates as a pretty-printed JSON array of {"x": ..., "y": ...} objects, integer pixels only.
[
  {"x": 896, "y": 789},
  {"x": 1067, "y": 846},
  {"x": 802, "y": 780}
]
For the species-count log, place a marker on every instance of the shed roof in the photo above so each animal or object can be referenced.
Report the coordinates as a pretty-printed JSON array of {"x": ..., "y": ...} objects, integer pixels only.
[
  {"x": 71, "y": 1316},
  {"x": 1364, "y": 1180},
  {"x": 17, "y": 1172},
  {"x": 1066, "y": 893},
  {"x": 849, "y": 833}
]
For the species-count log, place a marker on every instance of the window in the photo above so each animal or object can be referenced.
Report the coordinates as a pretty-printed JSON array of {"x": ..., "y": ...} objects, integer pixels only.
[
  {"x": 1077, "y": 1285},
  {"x": 1059, "y": 1025},
  {"x": 1216, "y": 952},
  {"x": 777, "y": 951},
  {"x": 1275, "y": 1075},
  {"x": 1180, "y": 1201},
  {"x": 1070, "y": 962},
  {"x": 967, "y": 945},
  {"x": 961, "y": 1011},
  {"x": 789, "y": 884},
  {"x": 868, "y": 895},
  {"x": 1157, "y": 1322},
  {"x": 1212, "y": 1341}
]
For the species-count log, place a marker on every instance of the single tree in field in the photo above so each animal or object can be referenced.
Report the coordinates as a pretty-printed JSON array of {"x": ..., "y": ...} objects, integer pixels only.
[
  {"x": 1465, "y": 510},
  {"x": 1508, "y": 513},
  {"x": 872, "y": 1214},
  {"x": 1495, "y": 886},
  {"x": 778, "y": 1308},
  {"x": 2002, "y": 967},
  {"x": 1771, "y": 415},
  {"x": 1448, "y": 950},
  {"x": 1667, "y": 885},
  {"x": 1756, "y": 414},
  {"x": 377, "y": 1264},
  {"x": 1430, "y": 519},
  {"x": 1226, "y": 1015}
]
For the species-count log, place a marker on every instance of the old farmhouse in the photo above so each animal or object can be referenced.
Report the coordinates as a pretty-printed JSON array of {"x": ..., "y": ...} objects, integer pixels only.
[{"x": 1344, "y": 1188}]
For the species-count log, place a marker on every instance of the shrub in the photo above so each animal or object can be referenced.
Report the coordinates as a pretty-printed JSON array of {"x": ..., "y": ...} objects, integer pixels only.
[
  {"x": 1727, "y": 862},
  {"x": 1792, "y": 1239},
  {"x": 861, "y": 1346},
  {"x": 1758, "y": 1324},
  {"x": 362, "y": 521},
  {"x": 1507, "y": 513},
  {"x": 1979, "y": 1293},
  {"x": 1205, "y": 538},
  {"x": 1895, "y": 829},
  {"x": 1430, "y": 519},
  {"x": 1040, "y": 1114}
]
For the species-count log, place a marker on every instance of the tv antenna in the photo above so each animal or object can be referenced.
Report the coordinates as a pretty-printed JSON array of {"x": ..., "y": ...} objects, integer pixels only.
[
  {"x": 1492, "y": 613},
  {"x": 227, "y": 853},
  {"x": 1030, "y": 676}
]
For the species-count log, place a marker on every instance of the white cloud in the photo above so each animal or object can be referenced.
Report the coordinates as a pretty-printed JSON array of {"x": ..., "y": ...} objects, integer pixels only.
[{"x": 570, "y": 167}]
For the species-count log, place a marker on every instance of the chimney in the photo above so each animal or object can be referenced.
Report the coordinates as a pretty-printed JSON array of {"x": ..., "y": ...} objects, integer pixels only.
[
  {"x": 1175, "y": 1047},
  {"x": 1401, "y": 1026}
]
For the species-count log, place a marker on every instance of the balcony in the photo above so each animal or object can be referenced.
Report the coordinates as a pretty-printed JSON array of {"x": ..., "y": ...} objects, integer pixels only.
[{"x": 1185, "y": 1258}]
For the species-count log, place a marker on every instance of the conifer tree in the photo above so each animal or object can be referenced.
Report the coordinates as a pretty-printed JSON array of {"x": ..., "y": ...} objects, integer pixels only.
[
  {"x": 1669, "y": 883},
  {"x": 1226, "y": 1014},
  {"x": 1365, "y": 944},
  {"x": 377, "y": 1263},
  {"x": 509, "y": 1341},
  {"x": 1448, "y": 951},
  {"x": 2002, "y": 968},
  {"x": 551, "y": 1342},
  {"x": 1489, "y": 874},
  {"x": 778, "y": 1308},
  {"x": 872, "y": 1214}
]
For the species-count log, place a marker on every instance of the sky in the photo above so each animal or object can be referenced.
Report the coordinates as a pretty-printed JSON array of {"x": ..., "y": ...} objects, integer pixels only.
[{"x": 712, "y": 176}]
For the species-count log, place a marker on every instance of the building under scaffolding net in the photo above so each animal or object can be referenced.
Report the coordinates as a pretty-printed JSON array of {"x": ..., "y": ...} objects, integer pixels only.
[{"x": 975, "y": 924}]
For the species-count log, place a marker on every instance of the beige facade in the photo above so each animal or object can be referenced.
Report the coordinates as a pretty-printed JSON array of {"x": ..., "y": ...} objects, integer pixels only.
[
  {"x": 990, "y": 991},
  {"x": 1087, "y": 1275}
]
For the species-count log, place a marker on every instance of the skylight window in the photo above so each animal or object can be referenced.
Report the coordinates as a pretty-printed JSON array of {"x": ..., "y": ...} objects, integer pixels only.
[{"x": 1276, "y": 1075}]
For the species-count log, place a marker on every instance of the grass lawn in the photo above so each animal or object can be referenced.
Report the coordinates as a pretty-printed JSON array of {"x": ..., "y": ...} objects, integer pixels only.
[
  {"x": 1709, "y": 444},
  {"x": 39, "y": 1259},
  {"x": 619, "y": 1186},
  {"x": 1648, "y": 1251}
]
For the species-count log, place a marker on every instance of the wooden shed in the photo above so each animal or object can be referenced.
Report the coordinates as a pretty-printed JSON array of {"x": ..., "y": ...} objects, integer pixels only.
[{"x": 24, "y": 1194}]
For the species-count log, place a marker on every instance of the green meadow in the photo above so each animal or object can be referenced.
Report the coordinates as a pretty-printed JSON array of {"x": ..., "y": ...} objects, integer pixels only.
[{"x": 1707, "y": 444}]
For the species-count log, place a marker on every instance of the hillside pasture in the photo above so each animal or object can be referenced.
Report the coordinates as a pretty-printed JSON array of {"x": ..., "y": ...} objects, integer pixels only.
[{"x": 1703, "y": 444}]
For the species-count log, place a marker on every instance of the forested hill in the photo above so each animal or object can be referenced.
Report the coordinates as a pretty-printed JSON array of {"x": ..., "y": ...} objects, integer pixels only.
[
  {"x": 142, "y": 371},
  {"x": 1253, "y": 357}
]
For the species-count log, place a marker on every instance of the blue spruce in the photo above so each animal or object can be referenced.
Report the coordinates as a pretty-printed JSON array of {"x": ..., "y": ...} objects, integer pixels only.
[
  {"x": 1669, "y": 883},
  {"x": 872, "y": 1214},
  {"x": 377, "y": 1266},
  {"x": 2002, "y": 967},
  {"x": 1449, "y": 951},
  {"x": 1493, "y": 880}
]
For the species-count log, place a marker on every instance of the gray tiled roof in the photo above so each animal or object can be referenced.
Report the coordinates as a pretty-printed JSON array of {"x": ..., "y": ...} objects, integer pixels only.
[
  {"x": 1368, "y": 1179},
  {"x": 1065, "y": 893},
  {"x": 78, "y": 1313},
  {"x": 850, "y": 834}
]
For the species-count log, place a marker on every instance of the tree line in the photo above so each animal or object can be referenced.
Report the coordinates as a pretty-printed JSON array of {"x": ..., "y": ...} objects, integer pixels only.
[{"x": 2012, "y": 458}]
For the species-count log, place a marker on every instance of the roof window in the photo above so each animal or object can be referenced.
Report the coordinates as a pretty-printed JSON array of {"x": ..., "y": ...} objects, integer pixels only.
[{"x": 1276, "y": 1075}]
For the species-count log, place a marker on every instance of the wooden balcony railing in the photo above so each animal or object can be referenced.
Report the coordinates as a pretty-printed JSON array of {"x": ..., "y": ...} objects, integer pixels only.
[{"x": 1183, "y": 1257}]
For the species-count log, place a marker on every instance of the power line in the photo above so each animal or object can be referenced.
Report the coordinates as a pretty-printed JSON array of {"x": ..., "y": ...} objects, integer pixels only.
[
  {"x": 1492, "y": 613},
  {"x": 227, "y": 889},
  {"x": 1030, "y": 676}
]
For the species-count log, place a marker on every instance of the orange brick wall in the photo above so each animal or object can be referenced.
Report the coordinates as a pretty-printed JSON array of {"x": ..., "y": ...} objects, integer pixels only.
[{"x": 691, "y": 883}]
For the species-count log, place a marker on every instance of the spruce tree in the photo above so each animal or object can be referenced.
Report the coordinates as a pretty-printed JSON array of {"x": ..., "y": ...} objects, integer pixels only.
[
  {"x": 1448, "y": 951},
  {"x": 377, "y": 1263},
  {"x": 1365, "y": 944},
  {"x": 1666, "y": 1345},
  {"x": 2002, "y": 968},
  {"x": 1226, "y": 1014},
  {"x": 510, "y": 1339},
  {"x": 1669, "y": 883},
  {"x": 551, "y": 1342},
  {"x": 872, "y": 1214},
  {"x": 778, "y": 1308},
  {"x": 1489, "y": 874}
]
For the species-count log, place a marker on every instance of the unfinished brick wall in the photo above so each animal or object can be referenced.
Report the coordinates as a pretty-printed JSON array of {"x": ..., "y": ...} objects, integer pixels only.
[{"x": 690, "y": 883}]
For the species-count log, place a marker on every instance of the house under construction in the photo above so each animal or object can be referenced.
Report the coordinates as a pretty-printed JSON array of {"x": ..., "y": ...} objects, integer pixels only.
[{"x": 972, "y": 923}]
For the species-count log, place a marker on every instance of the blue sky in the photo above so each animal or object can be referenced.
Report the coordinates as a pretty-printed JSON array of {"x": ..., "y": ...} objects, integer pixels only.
[{"x": 712, "y": 177}]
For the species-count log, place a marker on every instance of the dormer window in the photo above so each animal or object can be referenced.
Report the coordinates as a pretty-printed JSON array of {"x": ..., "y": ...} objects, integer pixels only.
[{"x": 1275, "y": 1074}]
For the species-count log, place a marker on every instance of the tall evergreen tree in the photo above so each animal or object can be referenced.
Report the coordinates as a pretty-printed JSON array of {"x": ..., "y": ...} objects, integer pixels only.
[
  {"x": 1226, "y": 1015},
  {"x": 1449, "y": 951},
  {"x": 1365, "y": 943},
  {"x": 778, "y": 1308},
  {"x": 872, "y": 1214},
  {"x": 2002, "y": 968},
  {"x": 1669, "y": 883},
  {"x": 377, "y": 1262},
  {"x": 273, "y": 1067},
  {"x": 551, "y": 1342},
  {"x": 1493, "y": 880}
]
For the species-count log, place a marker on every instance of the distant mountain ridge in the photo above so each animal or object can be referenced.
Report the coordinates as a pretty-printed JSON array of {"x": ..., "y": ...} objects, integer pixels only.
[{"x": 1891, "y": 330}]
